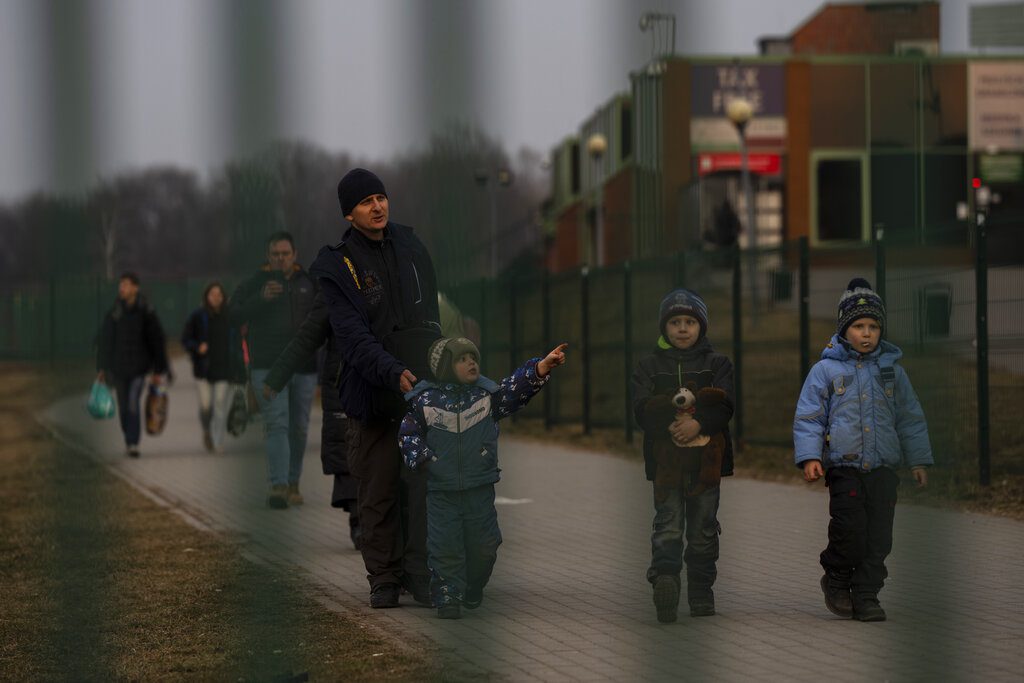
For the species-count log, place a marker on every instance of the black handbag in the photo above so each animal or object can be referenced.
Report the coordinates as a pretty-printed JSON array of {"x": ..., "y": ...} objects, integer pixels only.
[{"x": 238, "y": 414}]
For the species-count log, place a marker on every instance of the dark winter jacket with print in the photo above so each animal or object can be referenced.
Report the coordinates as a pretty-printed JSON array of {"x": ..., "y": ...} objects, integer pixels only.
[
  {"x": 271, "y": 324},
  {"x": 859, "y": 410},
  {"x": 454, "y": 427},
  {"x": 666, "y": 370},
  {"x": 372, "y": 288},
  {"x": 131, "y": 341},
  {"x": 213, "y": 329}
]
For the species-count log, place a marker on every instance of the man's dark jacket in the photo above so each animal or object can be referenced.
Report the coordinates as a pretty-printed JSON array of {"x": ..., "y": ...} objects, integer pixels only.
[
  {"x": 662, "y": 373},
  {"x": 131, "y": 341},
  {"x": 346, "y": 287},
  {"x": 273, "y": 323}
]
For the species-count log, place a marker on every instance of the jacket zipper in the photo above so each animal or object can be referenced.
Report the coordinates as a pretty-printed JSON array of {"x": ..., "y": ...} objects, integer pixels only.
[
  {"x": 419, "y": 290},
  {"x": 458, "y": 445}
]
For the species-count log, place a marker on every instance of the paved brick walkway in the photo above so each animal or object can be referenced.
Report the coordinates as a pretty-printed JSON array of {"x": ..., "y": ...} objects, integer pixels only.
[{"x": 568, "y": 600}]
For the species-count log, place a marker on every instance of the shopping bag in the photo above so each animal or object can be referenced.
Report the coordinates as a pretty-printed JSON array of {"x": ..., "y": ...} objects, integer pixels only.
[
  {"x": 238, "y": 413},
  {"x": 156, "y": 409},
  {"x": 101, "y": 402}
]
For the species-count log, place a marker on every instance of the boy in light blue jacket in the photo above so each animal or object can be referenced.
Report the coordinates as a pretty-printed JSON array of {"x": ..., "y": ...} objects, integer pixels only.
[{"x": 857, "y": 420}]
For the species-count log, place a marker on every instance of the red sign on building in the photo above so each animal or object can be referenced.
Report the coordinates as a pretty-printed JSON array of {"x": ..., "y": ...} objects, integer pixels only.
[{"x": 763, "y": 164}]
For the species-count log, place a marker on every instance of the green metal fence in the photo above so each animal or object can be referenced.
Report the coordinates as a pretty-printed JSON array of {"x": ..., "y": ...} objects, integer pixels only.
[{"x": 609, "y": 317}]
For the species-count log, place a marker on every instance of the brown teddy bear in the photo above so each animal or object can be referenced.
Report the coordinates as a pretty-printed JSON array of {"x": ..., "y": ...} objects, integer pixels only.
[{"x": 675, "y": 460}]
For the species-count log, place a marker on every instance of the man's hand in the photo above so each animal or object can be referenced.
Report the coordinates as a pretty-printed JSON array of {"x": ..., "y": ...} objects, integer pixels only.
[
  {"x": 203, "y": 348},
  {"x": 155, "y": 379},
  {"x": 555, "y": 358},
  {"x": 407, "y": 381},
  {"x": 268, "y": 393},
  {"x": 271, "y": 290},
  {"x": 920, "y": 476},
  {"x": 684, "y": 430},
  {"x": 813, "y": 470}
]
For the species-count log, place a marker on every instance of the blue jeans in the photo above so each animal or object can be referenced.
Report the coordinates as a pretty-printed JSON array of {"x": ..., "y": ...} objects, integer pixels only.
[
  {"x": 693, "y": 518},
  {"x": 285, "y": 425},
  {"x": 129, "y": 394}
]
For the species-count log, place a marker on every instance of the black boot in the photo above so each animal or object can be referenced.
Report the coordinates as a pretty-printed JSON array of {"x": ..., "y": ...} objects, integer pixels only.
[
  {"x": 666, "y": 597},
  {"x": 701, "y": 599},
  {"x": 866, "y": 607},
  {"x": 836, "y": 587}
]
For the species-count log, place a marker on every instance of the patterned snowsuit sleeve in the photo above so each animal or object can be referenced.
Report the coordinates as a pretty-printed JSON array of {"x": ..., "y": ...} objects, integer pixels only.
[
  {"x": 412, "y": 436},
  {"x": 516, "y": 390}
]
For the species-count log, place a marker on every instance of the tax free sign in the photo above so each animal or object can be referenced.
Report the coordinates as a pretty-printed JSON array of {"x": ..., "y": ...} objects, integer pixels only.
[{"x": 713, "y": 86}]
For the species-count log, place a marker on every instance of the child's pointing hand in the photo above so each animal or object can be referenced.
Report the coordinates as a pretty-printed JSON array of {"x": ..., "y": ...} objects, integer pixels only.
[{"x": 555, "y": 358}]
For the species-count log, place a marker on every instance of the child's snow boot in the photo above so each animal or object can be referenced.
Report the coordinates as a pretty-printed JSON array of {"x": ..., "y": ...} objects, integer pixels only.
[
  {"x": 666, "y": 597},
  {"x": 866, "y": 607},
  {"x": 701, "y": 599},
  {"x": 836, "y": 587}
]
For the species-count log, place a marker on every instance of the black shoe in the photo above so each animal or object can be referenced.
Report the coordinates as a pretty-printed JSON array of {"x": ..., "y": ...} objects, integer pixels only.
[
  {"x": 133, "y": 451},
  {"x": 866, "y": 608},
  {"x": 666, "y": 597},
  {"x": 473, "y": 597},
  {"x": 385, "y": 595},
  {"x": 355, "y": 531},
  {"x": 837, "y": 595},
  {"x": 702, "y": 601},
  {"x": 449, "y": 611},
  {"x": 419, "y": 588},
  {"x": 277, "y": 499}
]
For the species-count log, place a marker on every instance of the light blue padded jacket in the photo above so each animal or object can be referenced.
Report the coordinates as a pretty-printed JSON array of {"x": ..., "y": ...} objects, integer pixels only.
[{"x": 860, "y": 411}]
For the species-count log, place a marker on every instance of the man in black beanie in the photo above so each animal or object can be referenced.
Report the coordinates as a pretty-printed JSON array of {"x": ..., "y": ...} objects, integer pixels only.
[{"x": 380, "y": 286}]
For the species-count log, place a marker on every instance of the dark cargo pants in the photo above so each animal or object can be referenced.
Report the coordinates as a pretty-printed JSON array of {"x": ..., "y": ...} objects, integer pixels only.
[
  {"x": 862, "y": 506},
  {"x": 392, "y": 505}
]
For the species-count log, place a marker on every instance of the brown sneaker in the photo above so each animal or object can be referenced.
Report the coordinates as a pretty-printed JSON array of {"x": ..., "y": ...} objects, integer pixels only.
[
  {"x": 278, "y": 498},
  {"x": 294, "y": 497}
]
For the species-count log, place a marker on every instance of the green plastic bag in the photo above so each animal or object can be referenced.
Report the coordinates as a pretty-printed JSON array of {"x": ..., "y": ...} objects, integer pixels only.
[{"x": 101, "y": 402}]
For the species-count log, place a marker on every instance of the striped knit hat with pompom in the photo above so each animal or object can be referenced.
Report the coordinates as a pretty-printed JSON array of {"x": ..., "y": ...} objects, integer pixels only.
[{"x": 859, "y": 301}]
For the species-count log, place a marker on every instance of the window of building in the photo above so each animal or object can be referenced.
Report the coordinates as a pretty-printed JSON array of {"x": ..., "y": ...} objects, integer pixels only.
[
  {"x": 625, "y": 132},
  {"x": 838, "y": 199},
  {"x": 574, "y": 174},
  {"x": 894, "y": 196},
  {"x": 945, "y": 185}
]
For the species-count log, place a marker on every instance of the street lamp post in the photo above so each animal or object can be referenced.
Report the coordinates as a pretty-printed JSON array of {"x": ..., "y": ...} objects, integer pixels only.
[
  {"x": 740, "y": 112},
  {"x": 503, "y": 176},
  {"x": 597, "y": 145}
]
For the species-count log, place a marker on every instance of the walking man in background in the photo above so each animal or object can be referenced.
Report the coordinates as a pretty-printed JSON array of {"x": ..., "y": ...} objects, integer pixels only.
[
  {"x": 274, "y": 302},
  {"x": 131, "y": 345}
]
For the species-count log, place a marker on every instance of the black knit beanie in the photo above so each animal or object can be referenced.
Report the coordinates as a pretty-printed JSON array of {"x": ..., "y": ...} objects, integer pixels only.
[
  {"x": 859, "y": 301},
  {"x": 357, "y": 185},
  {"x": 683, "y": 302}
]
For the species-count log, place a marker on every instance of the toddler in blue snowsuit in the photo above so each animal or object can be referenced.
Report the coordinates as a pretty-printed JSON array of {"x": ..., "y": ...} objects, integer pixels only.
[{"x": 452, "y": 429}]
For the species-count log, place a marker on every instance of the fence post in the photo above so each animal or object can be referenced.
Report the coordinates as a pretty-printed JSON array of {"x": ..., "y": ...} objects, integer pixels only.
[
  {"x": 585, "y": 345},
  {"x": 737, "y": 338},
  {"x": 879, "y": 263},
  {"x": 545, "y": 284},
  {"x": 627, "y": 344},
  {"x": 53, "y": 320},
  {"x": 805, "y": 308},
  {"x": 981, "y": 306},
  {"x": 679, "y": 268},
  {"x": 513, "y": 350}
]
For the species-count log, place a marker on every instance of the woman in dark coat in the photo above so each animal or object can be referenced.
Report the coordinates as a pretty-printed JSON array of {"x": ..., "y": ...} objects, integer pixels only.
[{"x": 207, "y": 338}]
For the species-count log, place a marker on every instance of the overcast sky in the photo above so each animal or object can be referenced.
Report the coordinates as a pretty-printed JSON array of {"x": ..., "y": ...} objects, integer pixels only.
[{"x": 131, "y": 83}]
